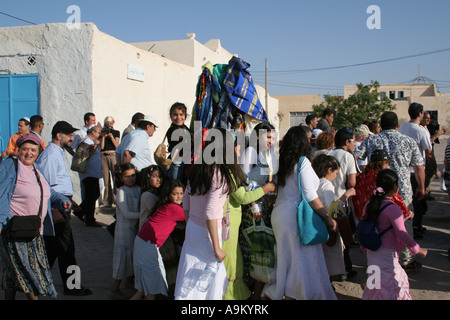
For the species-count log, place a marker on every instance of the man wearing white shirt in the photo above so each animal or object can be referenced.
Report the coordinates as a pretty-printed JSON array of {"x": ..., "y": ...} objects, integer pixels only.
[
  {"x": 89, "y": 119},
  {"x": 345, "y": 179},
  {"x": 137, "y": 150},
  {"x": 431, "y": 168},
  {"x": 422, "y": 138}
]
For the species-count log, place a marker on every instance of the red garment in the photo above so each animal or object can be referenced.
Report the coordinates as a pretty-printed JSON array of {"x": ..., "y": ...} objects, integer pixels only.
[
  {"x": 160, "y": 224},
  {"x": 365, "y": 184},
  {"x": 398, "y": 200}
]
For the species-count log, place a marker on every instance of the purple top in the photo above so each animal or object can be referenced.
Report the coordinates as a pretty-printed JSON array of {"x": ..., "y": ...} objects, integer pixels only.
[{"x": 394, "y": 238}]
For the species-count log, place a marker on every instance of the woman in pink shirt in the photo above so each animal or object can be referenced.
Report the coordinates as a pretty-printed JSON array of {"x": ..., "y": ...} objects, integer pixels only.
[
  {"x": 25, "y": 193},
  {"x": 210, "y": 182},
  {"x": 386, "y": 278}
]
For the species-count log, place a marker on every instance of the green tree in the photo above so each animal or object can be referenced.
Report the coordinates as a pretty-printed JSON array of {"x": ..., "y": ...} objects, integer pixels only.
[{"x": 365, "y": 104}]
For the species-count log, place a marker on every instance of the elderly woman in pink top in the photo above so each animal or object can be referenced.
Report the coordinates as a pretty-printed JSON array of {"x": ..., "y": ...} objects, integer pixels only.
[
  {"x": 208, "y": 187},
  {"x": 387, "y": 280},
  {"x": 26, "y": 193}
]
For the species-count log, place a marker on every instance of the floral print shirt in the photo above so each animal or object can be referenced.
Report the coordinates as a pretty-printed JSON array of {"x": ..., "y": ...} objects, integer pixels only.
[{"x": 403, "y": 152}]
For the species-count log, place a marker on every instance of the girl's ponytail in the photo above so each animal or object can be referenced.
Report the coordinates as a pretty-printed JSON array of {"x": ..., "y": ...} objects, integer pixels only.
[{"x": 386, "y": 181}]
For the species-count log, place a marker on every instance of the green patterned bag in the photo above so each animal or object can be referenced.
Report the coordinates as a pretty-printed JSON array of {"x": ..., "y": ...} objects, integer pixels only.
[{"x": 263, "y": 252}]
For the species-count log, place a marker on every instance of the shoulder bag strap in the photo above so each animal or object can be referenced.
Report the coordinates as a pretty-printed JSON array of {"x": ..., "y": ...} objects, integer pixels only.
[
  {"x": 42, "y": 191},
  {"x": 381, "y": 210},
  {"x": 299, "y": 164}
]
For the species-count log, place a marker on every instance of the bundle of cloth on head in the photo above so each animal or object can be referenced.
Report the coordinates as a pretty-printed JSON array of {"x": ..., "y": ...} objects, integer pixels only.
[{"x": 225, "y": 93}]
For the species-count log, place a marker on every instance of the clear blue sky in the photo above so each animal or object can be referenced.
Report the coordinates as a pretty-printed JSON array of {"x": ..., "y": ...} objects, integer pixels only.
[{"x": 291, "y": 35}]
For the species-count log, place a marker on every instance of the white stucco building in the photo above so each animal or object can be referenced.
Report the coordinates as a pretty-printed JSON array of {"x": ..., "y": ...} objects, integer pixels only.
[{"x": 75, "y": 71}]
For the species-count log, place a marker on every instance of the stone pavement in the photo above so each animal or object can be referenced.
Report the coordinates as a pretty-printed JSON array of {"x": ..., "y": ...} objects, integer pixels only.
[{"x": 94, "y": 248}]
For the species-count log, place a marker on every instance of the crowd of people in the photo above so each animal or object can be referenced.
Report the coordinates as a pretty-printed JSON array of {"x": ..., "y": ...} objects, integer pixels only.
[{"x": 173, "y": 218}]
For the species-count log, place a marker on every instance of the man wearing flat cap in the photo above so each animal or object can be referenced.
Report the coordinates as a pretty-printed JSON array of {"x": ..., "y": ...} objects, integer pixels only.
[{"x": 53, "y": 167}]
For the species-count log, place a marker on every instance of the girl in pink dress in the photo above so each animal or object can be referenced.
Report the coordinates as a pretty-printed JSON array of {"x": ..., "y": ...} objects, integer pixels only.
[{"x": 386, "y": 278}]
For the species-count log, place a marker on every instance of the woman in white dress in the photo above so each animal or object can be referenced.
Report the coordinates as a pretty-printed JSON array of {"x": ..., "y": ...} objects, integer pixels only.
[
  {"x": 207, "y": 189},
  {"x": 301, "y": 270}
]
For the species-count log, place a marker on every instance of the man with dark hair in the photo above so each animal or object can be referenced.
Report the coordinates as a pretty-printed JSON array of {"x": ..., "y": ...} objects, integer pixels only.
[
  {"x": 403, "y": 152},
  {"x": 422, "y": 138},
  {"x": 53, "y": 166},
  {"x": 311, "y": 121},
  {"x": 89, "y": 119},
  {"x": 23, "y": 128},
  {"x": 326, "y": 122},
  {"x": 137, "y": 150},
  {"x": 431, "y": 169},
  {"x": 345, "y": 178},
  {"x": 37, "y": 126},
  {"x": 138, "y": 116}
]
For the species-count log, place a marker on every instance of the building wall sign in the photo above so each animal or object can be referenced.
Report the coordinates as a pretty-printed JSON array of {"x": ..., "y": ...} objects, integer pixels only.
[{"x": 135, "y": 73}]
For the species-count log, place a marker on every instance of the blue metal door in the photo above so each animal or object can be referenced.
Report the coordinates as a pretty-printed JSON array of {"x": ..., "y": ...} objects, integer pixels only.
[{"x": 19, "y": 97}]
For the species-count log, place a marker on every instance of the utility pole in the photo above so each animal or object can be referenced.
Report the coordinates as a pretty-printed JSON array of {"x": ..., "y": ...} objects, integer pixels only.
[{"x": 267, "y": 93}]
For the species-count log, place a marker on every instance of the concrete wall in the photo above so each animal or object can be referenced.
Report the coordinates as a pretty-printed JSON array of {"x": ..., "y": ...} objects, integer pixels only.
[
  {"x": 190, "y": 52},
  {"x": 85, "y": 70},
  {"x": 63, "y": 62},
  {"x": 164, "y": 83},
  {"x": 295, "y": 103}
]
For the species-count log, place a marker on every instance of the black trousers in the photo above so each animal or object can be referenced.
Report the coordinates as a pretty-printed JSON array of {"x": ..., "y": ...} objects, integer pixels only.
[
  {"x": 420, "y": 206},
  {"x": 61, "y": 247},
  {"x": 91, "y": 194}
]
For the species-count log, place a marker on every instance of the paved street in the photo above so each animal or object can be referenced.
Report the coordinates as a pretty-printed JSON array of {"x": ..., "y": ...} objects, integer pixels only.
[{"x": 94, "y": 247}]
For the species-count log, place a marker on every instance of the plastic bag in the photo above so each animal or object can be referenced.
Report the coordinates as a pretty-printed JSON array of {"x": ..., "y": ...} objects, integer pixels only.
[{"x": 263, "y": 252}]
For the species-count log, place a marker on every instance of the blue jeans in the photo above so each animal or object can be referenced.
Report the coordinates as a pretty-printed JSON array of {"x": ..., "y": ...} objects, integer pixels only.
[{"x": 176, "y": 171}]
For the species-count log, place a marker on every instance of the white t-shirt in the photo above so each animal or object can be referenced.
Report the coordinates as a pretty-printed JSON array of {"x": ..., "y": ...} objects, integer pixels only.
[
  {"x": 326, "y": 193},
  {"x": 419, "y": 135},
  {"x": 79, "y": 135},
  {"x": 348, "y": 167},
  {"x": 138, "y": 144}
]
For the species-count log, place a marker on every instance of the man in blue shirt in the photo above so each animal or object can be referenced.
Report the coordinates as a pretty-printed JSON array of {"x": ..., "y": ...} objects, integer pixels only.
[{"x": 53, "y": 167}]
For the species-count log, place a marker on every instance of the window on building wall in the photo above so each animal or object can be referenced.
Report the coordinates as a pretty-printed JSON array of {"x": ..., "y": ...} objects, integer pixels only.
[
  {"x": 392, "y": 95},
  {"x": 400, "y": 95},
  {"x": 382, "y": 94}
]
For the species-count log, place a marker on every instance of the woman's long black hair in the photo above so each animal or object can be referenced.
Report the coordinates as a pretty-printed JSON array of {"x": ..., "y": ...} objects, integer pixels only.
[
  {"x": 145, "y": 175},
  {"x": 386, "y": 181},
  {"x": 166, "y": 189},
  {"x": 200, "y": 175},
  {"x": 294, "y": 145}
]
